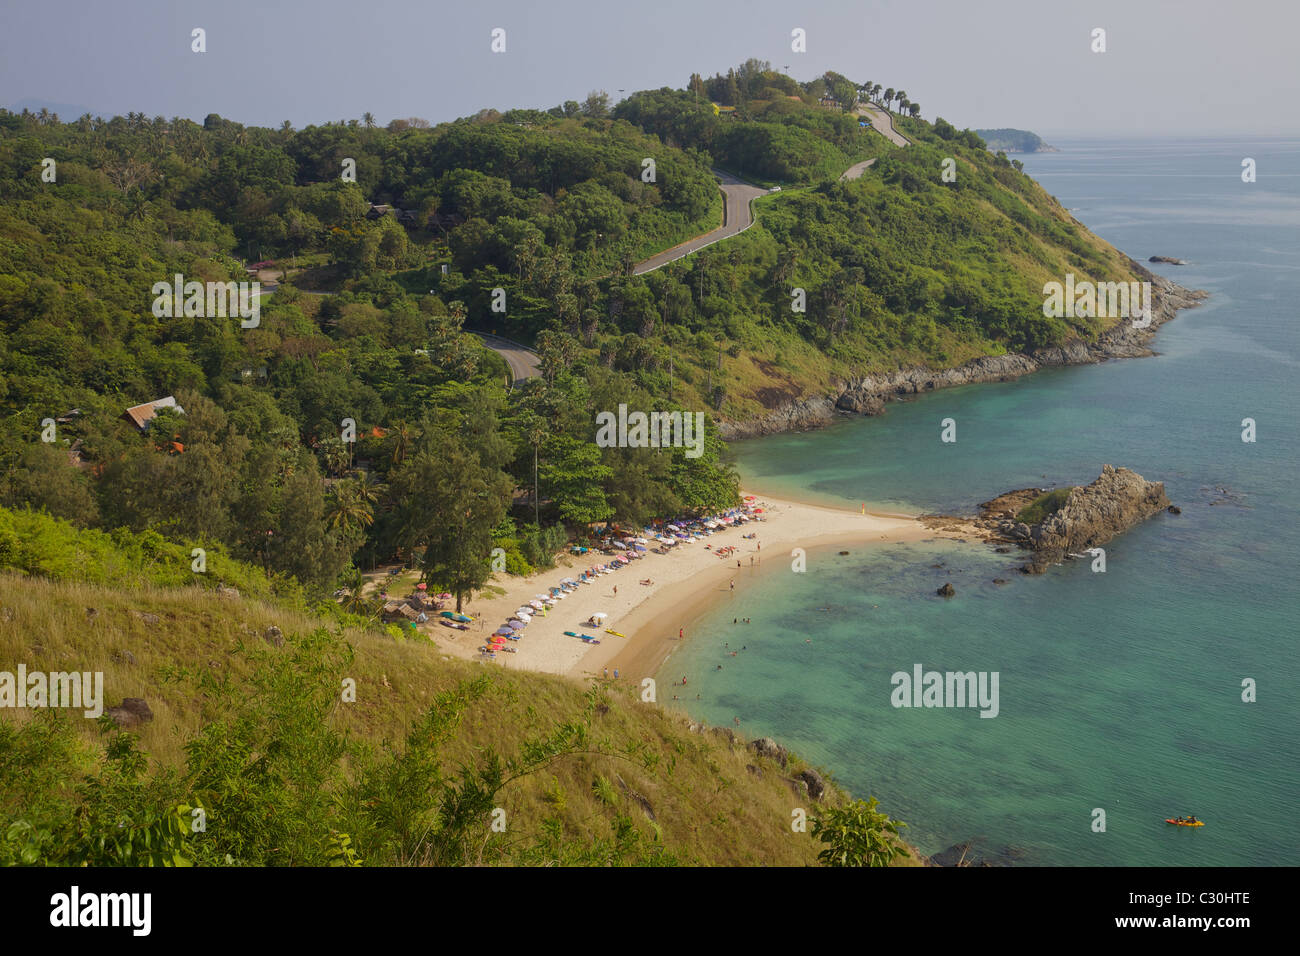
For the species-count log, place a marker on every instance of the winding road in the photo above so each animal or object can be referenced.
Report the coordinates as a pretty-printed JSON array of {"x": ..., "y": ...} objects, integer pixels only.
[
  {"x": 883, "y": 123},
  {"x": 522, "y": 361},
  {"x": 736, "y": 218}
]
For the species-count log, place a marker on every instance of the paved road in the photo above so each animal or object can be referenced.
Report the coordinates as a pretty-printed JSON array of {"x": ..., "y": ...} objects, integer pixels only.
[
  {"x": 857, "y": 169},
  {"x": 523, "y": 361},
  {"x": 736, "y": 218},
  {"x": 883, "y": 122}
]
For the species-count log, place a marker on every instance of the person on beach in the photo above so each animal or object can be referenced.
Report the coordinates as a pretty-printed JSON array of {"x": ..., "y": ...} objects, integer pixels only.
[
  {"x": 681, "y": 633},
  {"x": 606, "y": 673},
  {"x": 733, "y": 584},
  {"x": 615, "y": 673},
  {"x": 615, "y": 590}
]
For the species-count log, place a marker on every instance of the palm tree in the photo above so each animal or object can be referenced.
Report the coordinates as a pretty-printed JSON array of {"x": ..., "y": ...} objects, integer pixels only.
[
  {"x": 902, "y": 103},
  {"x": 401, "y": 441},
  {"x": 348, "y": 509},
  {"x": 536, "y": 431},
  {"x": 901, "y": 95},
  {"x": 368, "y": 119},
  {"x": 889, "y": 96},
  {"x": 914, "y": 109}
]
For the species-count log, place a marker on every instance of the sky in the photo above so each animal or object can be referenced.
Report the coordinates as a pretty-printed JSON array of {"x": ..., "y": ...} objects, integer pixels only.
[{"x": 1171, "y": 67}]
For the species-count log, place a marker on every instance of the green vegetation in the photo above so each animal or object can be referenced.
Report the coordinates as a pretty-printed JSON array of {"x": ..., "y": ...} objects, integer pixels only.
[
  {"x": 1013, "y": 140},
  {"x": 1044, "y": 505},
  {"x": 857, "y": 834},
  {"x": 359, "y": 422},
  {"x": 285, "y": 770}
]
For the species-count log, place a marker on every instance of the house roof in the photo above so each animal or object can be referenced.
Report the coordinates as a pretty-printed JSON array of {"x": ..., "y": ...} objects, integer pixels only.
[{"x": 141, "y": 415}]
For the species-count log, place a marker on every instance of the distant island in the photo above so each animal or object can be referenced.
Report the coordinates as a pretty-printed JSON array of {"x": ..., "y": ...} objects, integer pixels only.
[{"x": 1014, "y": 141}]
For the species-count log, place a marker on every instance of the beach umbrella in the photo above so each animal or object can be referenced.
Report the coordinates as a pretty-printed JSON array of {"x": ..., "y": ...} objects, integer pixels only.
[{"x": 422, "y": 587}]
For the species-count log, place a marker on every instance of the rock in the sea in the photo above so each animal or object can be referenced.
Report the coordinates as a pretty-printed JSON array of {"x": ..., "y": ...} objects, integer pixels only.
[
  {"x": 1167, "y": 259},
  {"x": 946, "y": 591},
  {"x": 1095, "y": 514},
  {"x": 999, "y": 580},
  {"x": 132, "y": 712},
  {"x": 767, "y": 747},
  {"x": 1174, "y": 510},
  {"x": 959, "y": 854}
]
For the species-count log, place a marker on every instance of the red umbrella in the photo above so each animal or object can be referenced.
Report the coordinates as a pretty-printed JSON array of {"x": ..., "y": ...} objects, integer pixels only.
[{"x": 422, "y": 587}]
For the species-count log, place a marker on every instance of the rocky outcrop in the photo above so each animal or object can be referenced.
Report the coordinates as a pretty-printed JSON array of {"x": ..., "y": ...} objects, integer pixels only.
[
  {"x": 1093, "y": 515},
  {"x": 1167, "y": 259},
  {"x": 767, "y": 747},
  {"x": 132, "y": 712},
  {"x": 946, "y": 591},
  {"x": 813, "y": 781},
  {"x": 867, "y": 395},
  {"x": 1089, "y": 517}
]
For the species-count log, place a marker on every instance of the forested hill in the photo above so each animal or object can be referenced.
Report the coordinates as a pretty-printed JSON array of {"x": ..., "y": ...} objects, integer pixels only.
[
  {"x": 393, "y": 240},
  {"x": 1014, "y": 141}
]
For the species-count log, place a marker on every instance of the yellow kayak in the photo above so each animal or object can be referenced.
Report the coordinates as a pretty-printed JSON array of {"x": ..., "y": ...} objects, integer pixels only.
[
  {"x": 610, "y": 630},
  {"x": 1186, "y": 823}
]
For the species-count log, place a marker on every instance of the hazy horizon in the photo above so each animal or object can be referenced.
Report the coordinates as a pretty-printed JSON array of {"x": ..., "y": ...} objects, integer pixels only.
[{"x": 1168, "y": 67}]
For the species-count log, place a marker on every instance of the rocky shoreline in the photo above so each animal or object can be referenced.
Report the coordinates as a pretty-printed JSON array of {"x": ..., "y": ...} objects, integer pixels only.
[{"x": 868, "y": 395}]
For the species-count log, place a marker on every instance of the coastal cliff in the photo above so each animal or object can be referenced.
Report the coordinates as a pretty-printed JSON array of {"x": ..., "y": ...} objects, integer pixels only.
[
  {"x": 867, "y": 395},
  {"x": 1070, "y": 521}
]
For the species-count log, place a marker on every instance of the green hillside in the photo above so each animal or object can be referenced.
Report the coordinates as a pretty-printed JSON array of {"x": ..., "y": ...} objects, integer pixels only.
[{"x": 255, "y": 731}]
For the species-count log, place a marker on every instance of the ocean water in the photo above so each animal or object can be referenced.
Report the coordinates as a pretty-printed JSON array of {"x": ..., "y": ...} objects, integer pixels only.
[{"x": 1118, "y": 691}]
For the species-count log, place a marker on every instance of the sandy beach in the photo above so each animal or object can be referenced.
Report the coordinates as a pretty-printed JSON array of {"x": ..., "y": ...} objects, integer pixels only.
[{"x": 686, "y": 582}]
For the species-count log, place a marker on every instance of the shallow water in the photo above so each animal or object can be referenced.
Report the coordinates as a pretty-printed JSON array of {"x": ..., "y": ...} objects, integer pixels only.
[{"x": 1118, "y": 691}]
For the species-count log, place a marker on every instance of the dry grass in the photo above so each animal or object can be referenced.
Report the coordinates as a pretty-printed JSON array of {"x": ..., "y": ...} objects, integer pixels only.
[{"x": 711, "y": 799}]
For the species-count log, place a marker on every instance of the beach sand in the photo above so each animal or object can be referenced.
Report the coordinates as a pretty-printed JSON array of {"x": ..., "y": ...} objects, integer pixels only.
[{"x": 686, "y": 582}]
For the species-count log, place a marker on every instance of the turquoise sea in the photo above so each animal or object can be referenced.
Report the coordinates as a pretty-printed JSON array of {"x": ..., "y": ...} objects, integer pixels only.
[{"x": 1120, "y": 691}]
